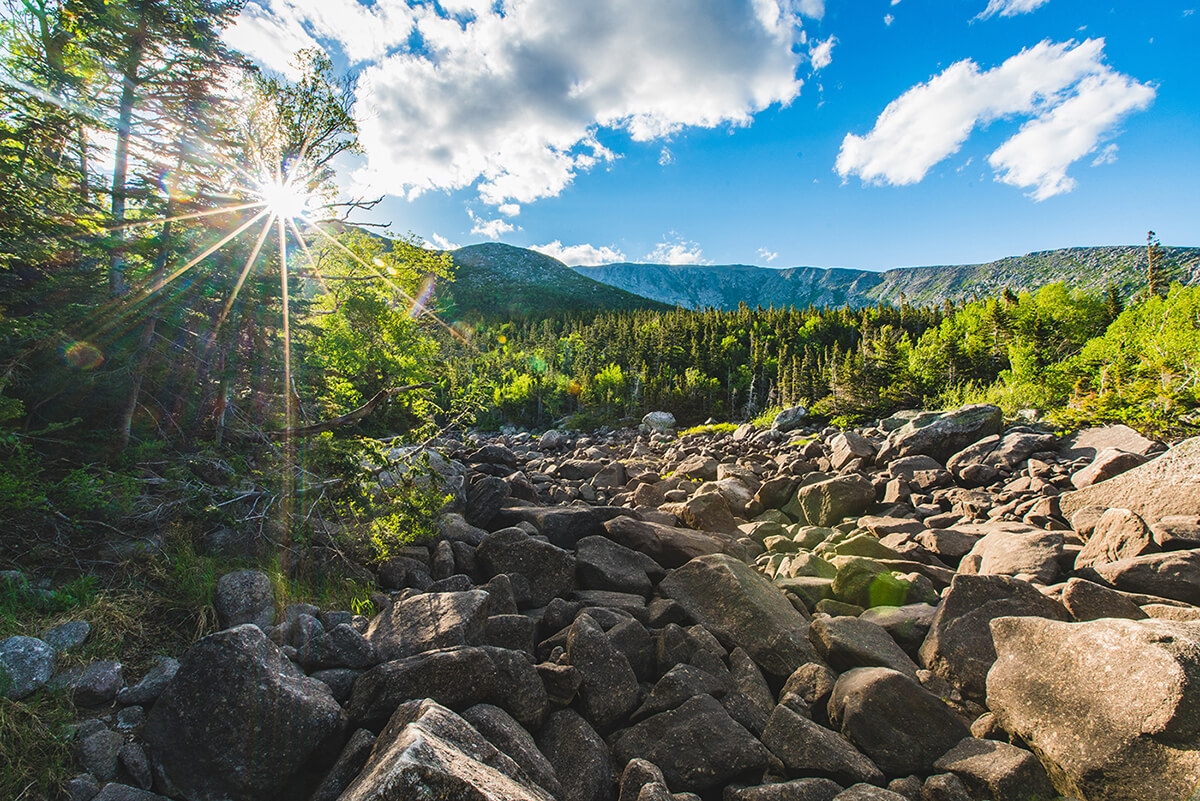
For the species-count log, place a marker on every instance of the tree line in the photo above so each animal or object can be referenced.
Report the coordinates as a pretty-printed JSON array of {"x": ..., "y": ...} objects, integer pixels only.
[{"x": 1071, "y": 353}]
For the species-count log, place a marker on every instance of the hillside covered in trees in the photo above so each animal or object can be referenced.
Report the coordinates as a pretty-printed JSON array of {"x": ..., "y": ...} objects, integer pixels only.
[{"x": 1077, "y": 355}]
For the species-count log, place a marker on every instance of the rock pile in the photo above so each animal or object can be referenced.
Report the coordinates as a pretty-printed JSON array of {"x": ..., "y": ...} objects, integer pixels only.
[{"x": 907, "y": 611}]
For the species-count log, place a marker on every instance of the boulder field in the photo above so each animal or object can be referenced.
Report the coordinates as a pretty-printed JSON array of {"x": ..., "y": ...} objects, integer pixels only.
[{"x": 941, "y": 607}]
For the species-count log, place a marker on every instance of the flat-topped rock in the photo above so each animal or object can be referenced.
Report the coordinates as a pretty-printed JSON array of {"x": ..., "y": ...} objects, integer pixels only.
[
  {"x": 1164, "y": 486},
  {"x": 742, "y": 608}
]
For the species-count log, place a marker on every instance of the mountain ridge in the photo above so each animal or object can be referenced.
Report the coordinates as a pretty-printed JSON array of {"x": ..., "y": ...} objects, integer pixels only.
[{"x": 725, "y": 286}]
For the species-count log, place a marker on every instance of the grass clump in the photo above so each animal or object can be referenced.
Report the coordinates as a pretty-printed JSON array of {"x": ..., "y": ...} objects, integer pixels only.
[
  {"x": 712, "y": 428},
  {"x": 35, "y": 745}
]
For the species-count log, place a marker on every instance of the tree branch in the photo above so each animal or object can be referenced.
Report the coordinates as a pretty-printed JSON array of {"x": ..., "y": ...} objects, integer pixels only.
[{"x": 350, "y": 417}]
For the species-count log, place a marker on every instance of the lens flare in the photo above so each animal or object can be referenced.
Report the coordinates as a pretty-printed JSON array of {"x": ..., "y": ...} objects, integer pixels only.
[
  {"x": 284, "y": 198},
  {"x": 422, "y": 298},
  {"x": 83, "y": 355}
]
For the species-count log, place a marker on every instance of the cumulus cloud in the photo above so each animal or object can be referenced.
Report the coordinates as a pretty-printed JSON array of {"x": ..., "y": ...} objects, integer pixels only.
[
  {"x": 272, "y": 30},
  {"x": 273, "y": 38},
  {"x": 821, "y": 54},
  {"x": 581, "y": 255},
  {"x": 1010, "y": 8},
  {"x": 767, "y": 255},
  {"x": 492, "y": 229},
  {"x": 1073, "y": 98},
  {"x": 888, "y": 19},
  {"x": 442, "y": 243},
  {"x": 511, "y": 101},
  {"x": 676, "y": 250}
]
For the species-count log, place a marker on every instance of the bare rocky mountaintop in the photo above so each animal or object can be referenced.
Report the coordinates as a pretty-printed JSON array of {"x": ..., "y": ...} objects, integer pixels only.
[{"x": 943, "y": 606}]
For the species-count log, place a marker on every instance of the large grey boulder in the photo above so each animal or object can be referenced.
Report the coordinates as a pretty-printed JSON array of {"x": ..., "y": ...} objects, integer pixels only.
[
  {"x": 825, "y": 503},
  {"x": 1014, "y": 549},
  {"x": 1166, "y": 485},
  {"x": 1088, "y": 442},
  {"x": 790, "y": 419},
  {"x": 997, "y": 771},
  {"x": 427, "y": 622},
  {"x": 808, "y": 749},
  {"x": 1112, "y": 707},
  {"x": 659, "y": 421},
  {"x": 602, "y": 564},
  {"x": 697, "y": 746},
  {"x": 245, "y": 596},
  {"x": 26, "y": 663},
  {"x": 504, "y": 732},
  {"x": 1086, "y": 600},
  {"x": 669, "y": 546},
  {"x": 455, "y": 677},
  {"x": 1109, "y": 463},
  {"x": 948, "y": 433},
  {"x": 579, "y": 757},
  {"x": 1119, "y": 534},
  {"x": 743, "y": 609},
  {"x": 608, "y": 691},
  {"x": 549, "y": 570},
  {"x": 849, "y": 642},
  {"x": 236, "y": 723},
  {"x": 563, "y": 525},
  {"x": 959, "y": 644},
  {"x": 897, "y": 723},
  {"x": 427, "y": 751},
  {"x": 1174, "y": 574}
]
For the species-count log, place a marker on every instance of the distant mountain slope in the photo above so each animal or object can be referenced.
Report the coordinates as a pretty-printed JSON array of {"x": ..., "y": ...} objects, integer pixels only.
[
  {"x": 724, "y": 286},
  {"x": 497, "y": 280}
]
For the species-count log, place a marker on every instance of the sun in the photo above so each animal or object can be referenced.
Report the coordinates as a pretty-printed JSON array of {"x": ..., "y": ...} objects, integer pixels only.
[{"x": 284, "y": 198}]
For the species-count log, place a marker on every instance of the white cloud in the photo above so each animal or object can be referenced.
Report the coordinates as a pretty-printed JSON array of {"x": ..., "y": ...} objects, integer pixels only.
[
  {"x": 492, "y": 229},
  {"x": 821, "y": 53},
  {"x": 1010, "y": 8},
  {"x": 1106, "y": 156},
  {"x": 888, "y": 19},
  {"x": 509, "y": 209},
  {"x": 271, "y": 31},
  {"x": 581, "y": 255},
  {"x": 678, "y": 251},
  {"x": 666, "y": 157},
  {"x": 1039, "y": 155},
  {"x": 1074, "y": 99},
  {"x": 271, "y": 38},
  {"x": 511, "y": 103},
  {"x": 442, "y": 243},
  {"x": 767, "y": 255}
]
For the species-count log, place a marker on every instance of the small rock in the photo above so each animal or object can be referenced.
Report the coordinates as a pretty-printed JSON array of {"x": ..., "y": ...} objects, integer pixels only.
[
  {"x": 99, "y": 684},
  {"x": 66, "y": 636},
  {"x": 26, "y": 663}
]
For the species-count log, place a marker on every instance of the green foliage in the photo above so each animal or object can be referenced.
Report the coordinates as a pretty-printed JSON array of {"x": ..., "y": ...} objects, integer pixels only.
[
  {"x": 365, "y": 335},
  {"x": 712, "y": 428},
  {"x": 1046, "y": 349}
]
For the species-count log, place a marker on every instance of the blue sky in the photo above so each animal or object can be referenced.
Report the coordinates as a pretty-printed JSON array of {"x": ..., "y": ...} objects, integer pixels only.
[{"x": 855, "y": 133}]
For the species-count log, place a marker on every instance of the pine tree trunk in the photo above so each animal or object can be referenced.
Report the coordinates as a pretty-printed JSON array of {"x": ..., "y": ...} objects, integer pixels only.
[{"x": 135, "y": 49}]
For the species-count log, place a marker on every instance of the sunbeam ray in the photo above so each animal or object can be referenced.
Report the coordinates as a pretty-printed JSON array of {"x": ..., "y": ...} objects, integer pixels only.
[
  {"x": 237, "y": 288},
  {"x": 427, "y": 312}
]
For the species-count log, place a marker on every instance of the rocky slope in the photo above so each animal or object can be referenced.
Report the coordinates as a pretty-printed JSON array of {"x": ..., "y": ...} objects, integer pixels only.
[
  {"x": 940, "y": 608},
  {"x": 725, "y": 286}
]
